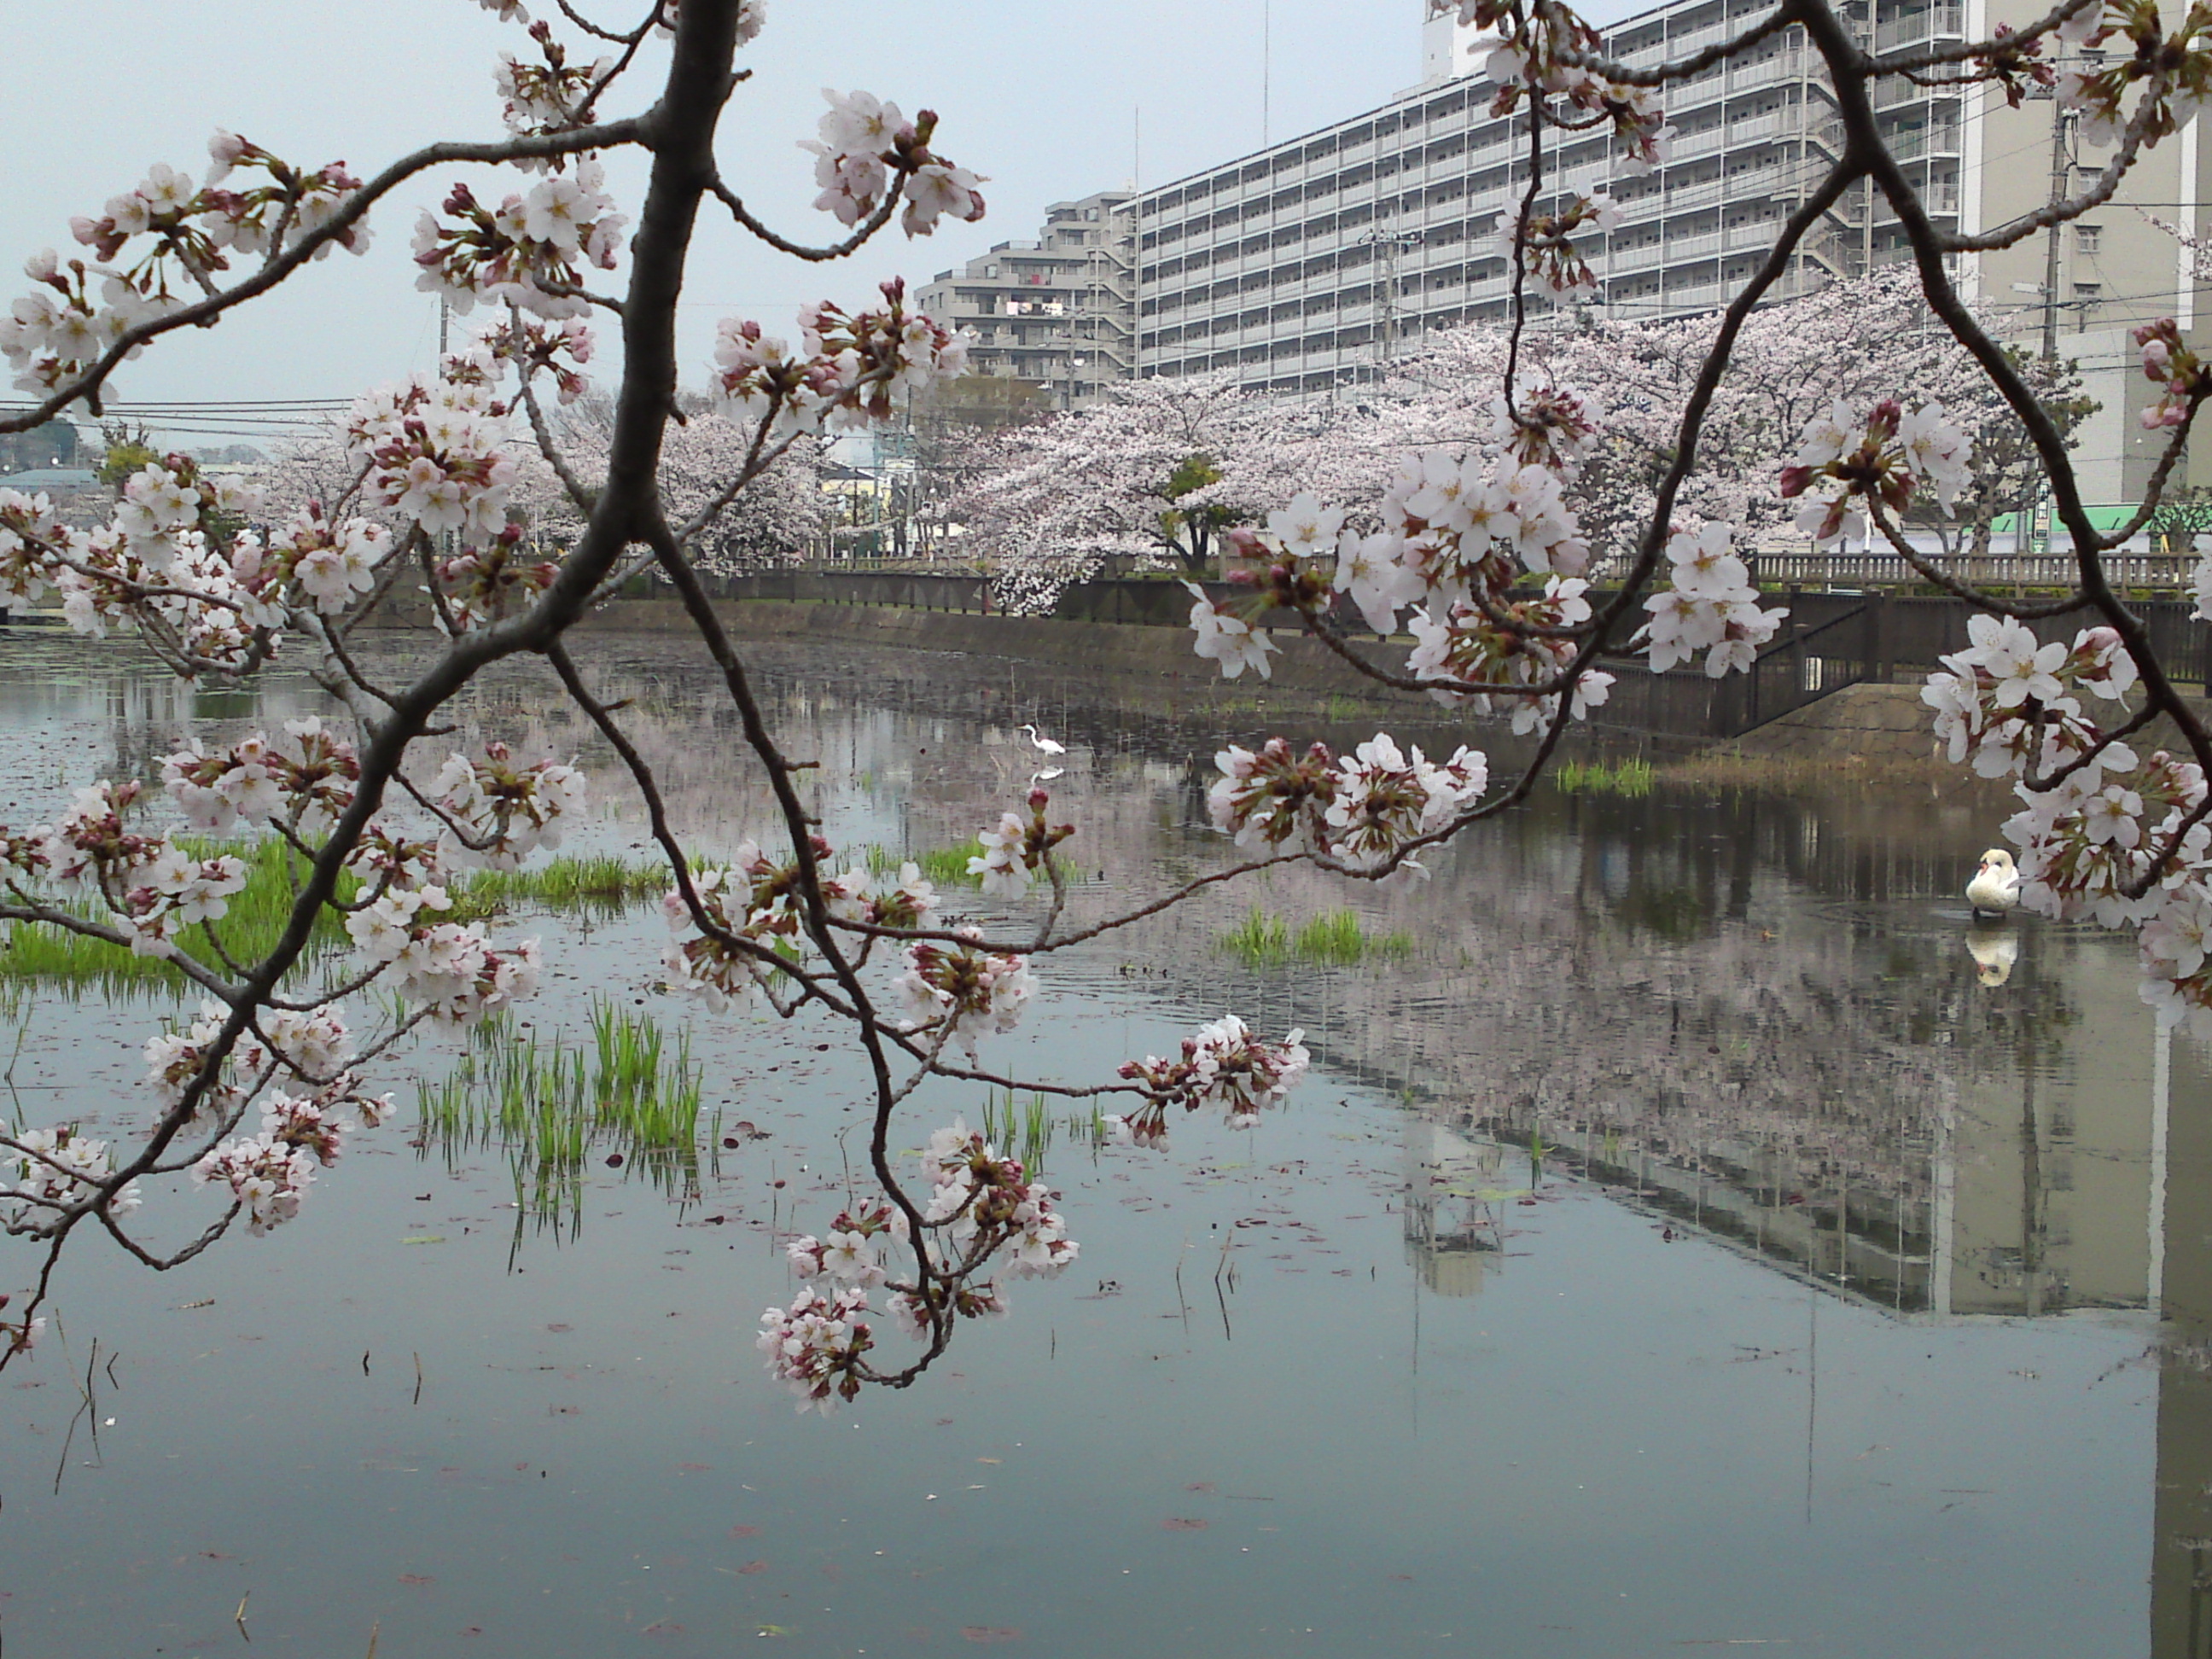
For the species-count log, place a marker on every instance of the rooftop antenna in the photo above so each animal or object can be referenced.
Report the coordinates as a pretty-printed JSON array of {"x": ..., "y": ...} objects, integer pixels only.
[{"x": 1267, "y": 68}]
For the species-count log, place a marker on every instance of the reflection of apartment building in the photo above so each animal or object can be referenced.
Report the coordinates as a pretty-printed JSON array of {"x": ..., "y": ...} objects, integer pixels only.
[
  {"x": 1303, "y": 266},
  {"x": 2036, "y": 1187},
  {"x": 1054, "y": 311}
]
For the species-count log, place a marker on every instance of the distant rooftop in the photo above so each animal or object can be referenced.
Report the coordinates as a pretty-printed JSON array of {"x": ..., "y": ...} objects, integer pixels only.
[{"x": 52, "y": 477}]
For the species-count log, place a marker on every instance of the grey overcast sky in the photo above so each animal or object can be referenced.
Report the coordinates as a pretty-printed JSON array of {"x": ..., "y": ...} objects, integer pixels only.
[{"x": 1044, "y": 99}]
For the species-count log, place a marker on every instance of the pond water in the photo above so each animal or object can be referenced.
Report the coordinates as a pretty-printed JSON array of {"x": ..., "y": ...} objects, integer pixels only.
[{"x": 1696, "y": 1234}]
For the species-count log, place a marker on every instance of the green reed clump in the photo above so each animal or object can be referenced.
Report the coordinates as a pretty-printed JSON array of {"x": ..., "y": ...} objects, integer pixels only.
[
  {"x": 1024, "y": 1128},
  {"x": 41, "y": 953},
  {"x": 1261, "y": 940},
  {"x": 1628, "y": 777},
  {"x": 1335, "y": 938},
  {"x": 630, "y": 1095},
  {"x": 598, "y": 882},
  {"x": 941, "y": 866}
]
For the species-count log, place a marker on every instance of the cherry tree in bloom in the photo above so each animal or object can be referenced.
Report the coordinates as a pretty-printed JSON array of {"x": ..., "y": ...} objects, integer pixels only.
[
  {"x": 1477, "y": 530},
  {"x": 1156, "y": 473}
]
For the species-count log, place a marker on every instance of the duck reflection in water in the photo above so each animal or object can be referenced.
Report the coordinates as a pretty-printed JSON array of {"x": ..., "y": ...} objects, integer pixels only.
[{"x": 1994, "y": 954}]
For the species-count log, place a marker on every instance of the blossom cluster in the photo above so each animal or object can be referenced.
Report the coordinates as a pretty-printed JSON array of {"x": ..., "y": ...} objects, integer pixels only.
[
  {"x": 1362, "y": 809},
  {"x": 58, "y": 331},
  {"x": 2174, "y": 74},
  {"x": 311, "y": 1046},
  {"x": 982, "y": 1201},
  {"x": 311, "y": 563},
  {"x": 982, "y": 1205},
  {"x": 434, "y": 449},
  {"x": 497, "y": 812},
  {"x": 44, "y": 1173},
  {"x": 1016, "y": 849},
  {"x": 814, "y": 1347},
  {"x": 450, "y": 968},
  {"x": 269, "y": 1173},
  {"x": 159, "y": 564},
  {"x": 1532, "y": 63},
  {"x": 847, "y": 1253},
  {"x": 151, "y": 888},
  {"x": 2008, "y": 702},
  {"x": 754, "y": 913},
  {"x": 303, "y": 778},
  {"x": 864, "y": 144},
  {"x": 961, "y": 992},
  {"x": 2104, "y": 834},
  {"x": 1224, "y": 1064},
  {"x": 1850, "y": 465},
  {"x": 848, "y": 372},
  {"x": 546, "y": 96},
  {"x": 528, "y": 252},
  {"x": 2173, "y": 366},
  {"x": 1709, "y": 605},
  {"x": 1546, "y": 240}
]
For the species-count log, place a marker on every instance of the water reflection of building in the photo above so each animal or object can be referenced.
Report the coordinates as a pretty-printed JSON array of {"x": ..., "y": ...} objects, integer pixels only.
[
  {"x": 2181, "y": 1539},
  {"x": 1451, "y": 1191},
  {"x": 2026, "y": 1181}
]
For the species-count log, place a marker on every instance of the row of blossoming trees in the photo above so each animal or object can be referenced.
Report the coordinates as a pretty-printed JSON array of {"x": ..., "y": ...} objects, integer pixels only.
[
  {"x": 1160, "y": 473},
  {"x": 1481, "y": 545}
]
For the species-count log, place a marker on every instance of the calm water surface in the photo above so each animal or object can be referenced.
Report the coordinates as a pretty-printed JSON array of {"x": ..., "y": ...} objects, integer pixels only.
[{"x": 1702, "y": 1237}]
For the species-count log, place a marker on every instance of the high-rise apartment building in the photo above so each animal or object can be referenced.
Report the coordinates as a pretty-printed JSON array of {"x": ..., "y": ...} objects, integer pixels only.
[
  {"x": 1056, "y": 312},
  {"x": 1303, "y": 266}
]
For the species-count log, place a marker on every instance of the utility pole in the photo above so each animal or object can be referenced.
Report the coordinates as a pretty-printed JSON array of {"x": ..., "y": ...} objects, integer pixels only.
[
  {"x": 2030, "y": 532},
  {"x": 2061, "y": 182},
  {"x": 1386, "y": 245}
]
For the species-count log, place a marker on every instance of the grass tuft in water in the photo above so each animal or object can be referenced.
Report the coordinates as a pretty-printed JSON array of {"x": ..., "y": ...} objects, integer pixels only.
[
  {"x": 941, "y": 866},
  {"x": 629, "y": 1094},
  {"x": 1629, "y": 777},
  {"x": 1022, "y": 1128},
  {"x": 596, "y": 882},
  {"x": 1335, "y": 939},
  {"x": 38, "y": 953}
]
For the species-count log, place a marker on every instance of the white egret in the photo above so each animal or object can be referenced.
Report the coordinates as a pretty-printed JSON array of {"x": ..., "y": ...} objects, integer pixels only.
[{"x": 1045, "y": 745}]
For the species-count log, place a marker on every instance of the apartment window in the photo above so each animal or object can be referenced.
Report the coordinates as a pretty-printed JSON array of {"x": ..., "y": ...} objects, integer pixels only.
[
  {"x": 2089, "y": 290},
  {"x": 2086, "y": 237}
]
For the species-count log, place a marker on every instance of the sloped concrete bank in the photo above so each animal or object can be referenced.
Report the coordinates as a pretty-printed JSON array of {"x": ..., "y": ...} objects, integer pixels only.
[{"x": 1869, "y": 728}]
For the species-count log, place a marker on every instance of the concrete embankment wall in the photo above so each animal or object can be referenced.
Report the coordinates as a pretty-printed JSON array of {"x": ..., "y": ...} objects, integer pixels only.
[{"x": 1869, "y": 727}]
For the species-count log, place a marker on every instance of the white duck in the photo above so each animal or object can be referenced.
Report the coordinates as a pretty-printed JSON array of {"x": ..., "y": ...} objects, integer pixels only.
[{"x": 1995, "y": 888}]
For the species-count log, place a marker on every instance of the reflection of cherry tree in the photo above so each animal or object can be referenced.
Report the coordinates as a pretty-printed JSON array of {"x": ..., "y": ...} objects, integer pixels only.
[{"x": 1475, "y": 545}]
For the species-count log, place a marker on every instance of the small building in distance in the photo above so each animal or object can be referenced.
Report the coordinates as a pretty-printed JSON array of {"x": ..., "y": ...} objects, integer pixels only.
[
  {"x": 75, "y": 492},
  {"x": 1059, "y": 312},
  {"x": 54, "y": 443}
]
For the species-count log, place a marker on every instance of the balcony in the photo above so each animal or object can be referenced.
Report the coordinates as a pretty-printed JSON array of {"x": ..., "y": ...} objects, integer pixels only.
[
  {"x": 1918, "y": 141},
  {"x": 1758, "y": 129},
  {"x": 1933, "y": 24},
  {"x": 1680, "y": 248}
]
